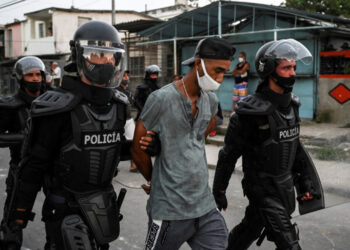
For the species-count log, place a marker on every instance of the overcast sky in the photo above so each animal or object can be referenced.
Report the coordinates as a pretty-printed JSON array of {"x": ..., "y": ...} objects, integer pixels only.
[{"x": 8, "y": 14}]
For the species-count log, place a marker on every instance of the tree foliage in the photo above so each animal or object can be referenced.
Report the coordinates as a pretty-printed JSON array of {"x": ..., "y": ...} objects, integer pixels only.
[{"x": 330, "y": 7}]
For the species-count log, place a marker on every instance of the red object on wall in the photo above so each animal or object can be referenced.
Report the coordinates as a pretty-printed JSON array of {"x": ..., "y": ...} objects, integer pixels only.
[
  {"x": 335, "y": 76},
  {"x": 344, "y": 53},
  {"x": 340, "y": 93}
]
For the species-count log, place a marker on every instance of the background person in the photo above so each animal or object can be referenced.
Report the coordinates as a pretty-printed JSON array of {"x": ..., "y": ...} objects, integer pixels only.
[
  {"x": 143, "y": 90},
  {"x": 56, "y": 74},
  {"x": 241, "y": 74},
  {"x": 130, "y": 124}
]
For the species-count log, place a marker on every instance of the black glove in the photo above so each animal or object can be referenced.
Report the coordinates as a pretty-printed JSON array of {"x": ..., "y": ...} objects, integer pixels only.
[
  {"x": 221, "y": 200},
  {"x": 11, "y": 236},
  {"x": 154, "y": 147}
]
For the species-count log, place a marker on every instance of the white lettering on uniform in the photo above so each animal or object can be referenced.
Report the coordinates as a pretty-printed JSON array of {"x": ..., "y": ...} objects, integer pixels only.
[
  {"x": 93, "y": 139},
  {"x": 101, "y": 139},
  {"x": 289, "y": 133},
  {"x": 109, "y": 138},
  {"x": 86, "y": 139}
]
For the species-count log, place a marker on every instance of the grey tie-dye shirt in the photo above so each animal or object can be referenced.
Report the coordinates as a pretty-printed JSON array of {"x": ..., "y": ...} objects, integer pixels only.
[{"x": 180, "y": 188}]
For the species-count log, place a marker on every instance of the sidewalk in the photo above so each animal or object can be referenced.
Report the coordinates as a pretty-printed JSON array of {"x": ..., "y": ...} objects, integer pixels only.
[{"x": 334, "y": 175}]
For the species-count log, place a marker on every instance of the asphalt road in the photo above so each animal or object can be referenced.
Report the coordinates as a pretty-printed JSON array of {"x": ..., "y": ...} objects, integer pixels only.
[{"x": 325, "y": 230}]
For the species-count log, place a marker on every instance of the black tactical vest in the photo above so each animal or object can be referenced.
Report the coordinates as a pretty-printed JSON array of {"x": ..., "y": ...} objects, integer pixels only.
[
  {"x": 277, "y": 153},
  {"x": 90, "y": 159},
  {"x": 273, "y": 141}
]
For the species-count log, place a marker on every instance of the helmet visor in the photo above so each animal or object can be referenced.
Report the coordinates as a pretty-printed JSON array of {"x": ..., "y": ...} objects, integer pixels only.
[
  {"x": 290, "y": 50},
  {"x": 106, "y": 56}
]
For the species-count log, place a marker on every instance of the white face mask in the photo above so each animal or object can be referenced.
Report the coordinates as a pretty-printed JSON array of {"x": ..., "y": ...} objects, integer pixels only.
[
  {"x": 205, "y": 82},
  {"x": 240, "y": 59}
]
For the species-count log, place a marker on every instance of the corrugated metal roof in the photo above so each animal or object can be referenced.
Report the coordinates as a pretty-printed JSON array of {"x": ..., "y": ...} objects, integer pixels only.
[
  {"x": 137, "y": 25},
  {"x": 204, "y": 21}
]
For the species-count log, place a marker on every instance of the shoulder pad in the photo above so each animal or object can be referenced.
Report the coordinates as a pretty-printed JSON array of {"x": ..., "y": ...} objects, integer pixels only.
[
  {"x": 11, "y": 102},
  {"x": 54, "y": 102},
  {"x": 120, "y": 97},
  {"x": 296, "y": 100},
  {"x": 254, "y": 105}
]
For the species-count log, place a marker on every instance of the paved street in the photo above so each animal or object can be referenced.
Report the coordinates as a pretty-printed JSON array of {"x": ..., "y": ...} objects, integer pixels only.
[{"x": 315, "y": 233}]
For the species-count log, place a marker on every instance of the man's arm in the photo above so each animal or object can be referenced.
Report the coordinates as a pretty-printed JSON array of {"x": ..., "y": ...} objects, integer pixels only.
[
  {"x": 243, "y": 70},
  {"x": 140, "y": 157},
  {"x": 211, "y": 126}
]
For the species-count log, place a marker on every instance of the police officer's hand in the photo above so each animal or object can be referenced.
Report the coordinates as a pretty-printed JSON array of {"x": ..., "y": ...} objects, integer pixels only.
[
  {"x": 147, "y": 187},
  {"x": 308, "y": 196},
  {"x": 150, "y": 143},
  {"x": 220, "y": 199},
  {"x": 11, "y": 236}
]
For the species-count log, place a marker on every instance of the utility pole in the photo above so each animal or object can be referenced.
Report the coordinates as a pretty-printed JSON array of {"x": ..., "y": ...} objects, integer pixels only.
[{"x": 113, "y": 13}]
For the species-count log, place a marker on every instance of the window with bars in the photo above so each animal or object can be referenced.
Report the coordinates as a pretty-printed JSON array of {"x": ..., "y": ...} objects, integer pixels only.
[{"x": 137, "y": 66}]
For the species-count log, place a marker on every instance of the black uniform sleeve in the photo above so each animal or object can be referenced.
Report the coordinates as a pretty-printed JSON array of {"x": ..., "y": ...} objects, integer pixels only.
[
  {"x": 47, "y": 135},
  {"x": 5, "y": 120},
  {"x": 229, "y": 154}
]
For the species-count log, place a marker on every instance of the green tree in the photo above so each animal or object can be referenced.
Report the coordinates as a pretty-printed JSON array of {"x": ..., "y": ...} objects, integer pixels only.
[{"x": 330, "y": 7}]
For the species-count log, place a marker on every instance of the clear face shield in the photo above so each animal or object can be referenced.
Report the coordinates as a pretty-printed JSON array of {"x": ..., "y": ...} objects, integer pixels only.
[
  {"x": 103, "y": 64},
  {"x": 290, "y": 50}
]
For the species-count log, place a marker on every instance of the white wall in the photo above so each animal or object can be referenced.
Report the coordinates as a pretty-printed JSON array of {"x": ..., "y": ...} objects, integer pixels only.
[
  {"x": 32, "y": 44},
  {"x": 66, "y": 23}
]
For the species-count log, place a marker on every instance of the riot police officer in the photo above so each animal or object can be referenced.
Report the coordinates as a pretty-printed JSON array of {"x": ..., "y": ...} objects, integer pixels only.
[
  {"x": 265, "y": 132},
  {"x": 146, "y": 87},
  {"x": 74, "y": 145},
  {"x": 29, "y": 73}
]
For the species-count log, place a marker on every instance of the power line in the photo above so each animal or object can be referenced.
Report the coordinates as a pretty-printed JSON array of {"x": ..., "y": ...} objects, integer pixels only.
[{"x": 13, "y": 2}]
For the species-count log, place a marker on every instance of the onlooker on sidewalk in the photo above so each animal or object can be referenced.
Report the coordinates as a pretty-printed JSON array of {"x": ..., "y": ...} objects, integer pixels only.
[
  {"x": 56, "y": 74},
  {"x": 240, "y": 73},
  {"x": 181, "y": 208}
]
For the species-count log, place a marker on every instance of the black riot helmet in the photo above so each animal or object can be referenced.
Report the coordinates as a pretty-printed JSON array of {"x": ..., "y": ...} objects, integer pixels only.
[
  {"x": 151, "y": 69},
  {"x": 26, "y": 64},
  {"x": 268, "y": 56},
  {"x": 99, "y": 54}
]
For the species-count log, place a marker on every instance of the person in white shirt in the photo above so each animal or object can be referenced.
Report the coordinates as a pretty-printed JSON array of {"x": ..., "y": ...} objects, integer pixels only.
[{"x": 56, "y": 74}]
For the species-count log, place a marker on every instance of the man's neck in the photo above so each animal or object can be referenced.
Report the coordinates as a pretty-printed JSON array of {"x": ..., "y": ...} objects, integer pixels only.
[{"x": 191, "y": 84}]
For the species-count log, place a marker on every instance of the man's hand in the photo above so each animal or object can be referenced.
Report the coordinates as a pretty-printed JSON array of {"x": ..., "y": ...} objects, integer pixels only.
[
  {"x": 147, "y": 187},
  {"x": 150, "y": 143},
  {"x": 220, "y": 199}
]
